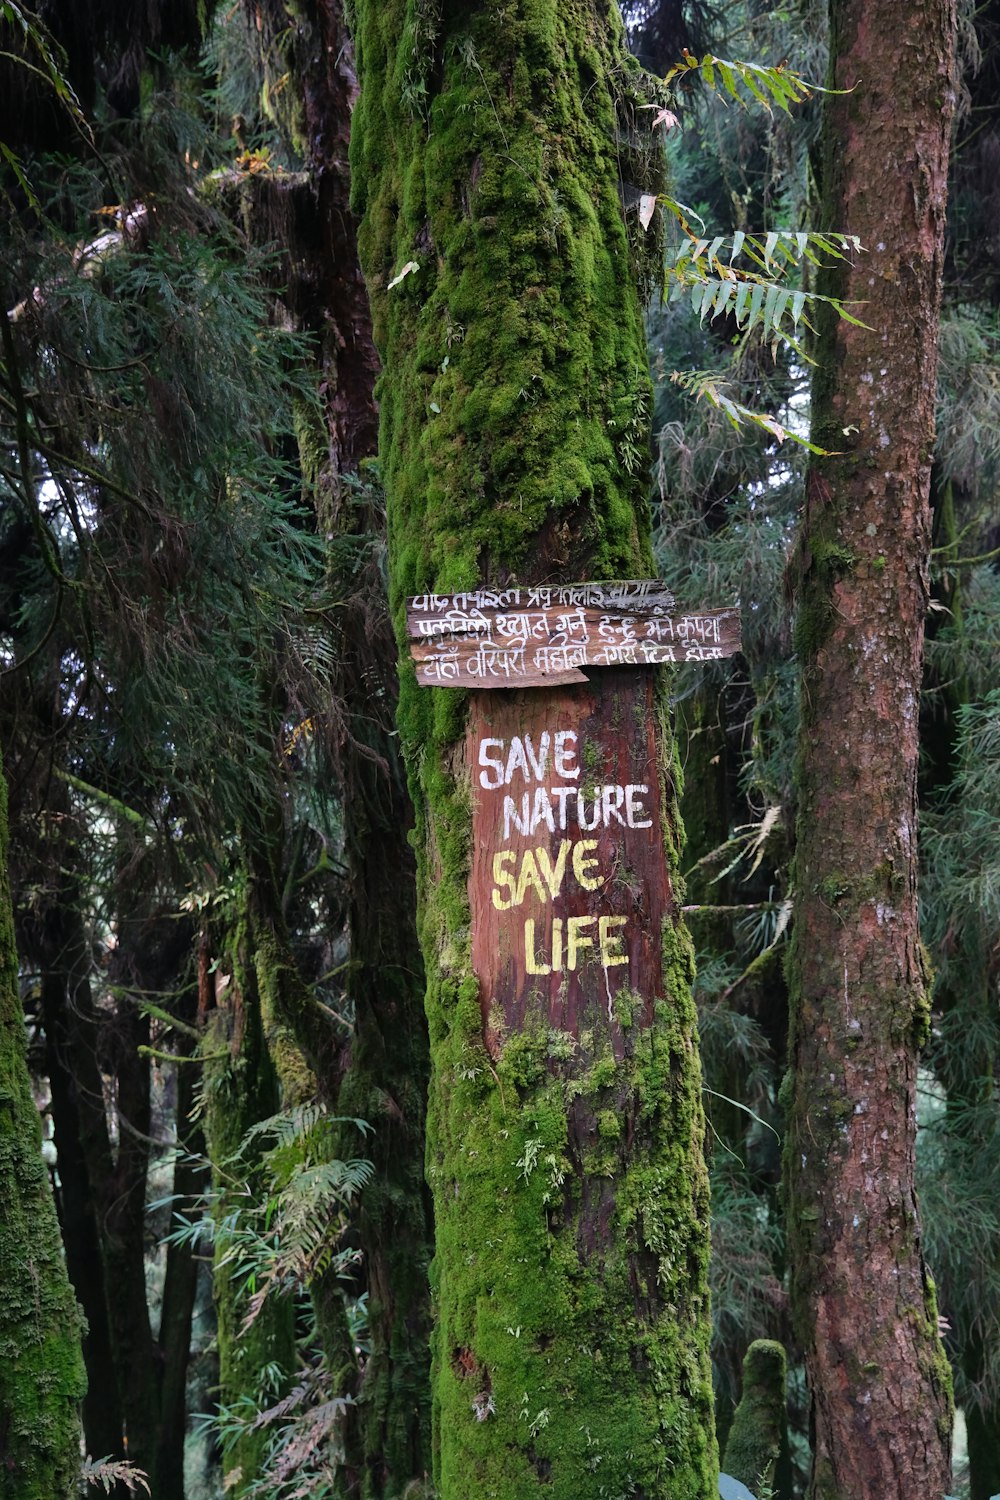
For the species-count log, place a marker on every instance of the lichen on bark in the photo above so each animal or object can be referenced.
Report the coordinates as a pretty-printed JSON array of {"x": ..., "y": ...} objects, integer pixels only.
[
  {"x": 41, "y": 1365},
  {"x": 570, "y": 1347}
]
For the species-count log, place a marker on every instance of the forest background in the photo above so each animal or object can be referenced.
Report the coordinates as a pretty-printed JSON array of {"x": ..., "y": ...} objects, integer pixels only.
[{"x": 212, "y": 881}]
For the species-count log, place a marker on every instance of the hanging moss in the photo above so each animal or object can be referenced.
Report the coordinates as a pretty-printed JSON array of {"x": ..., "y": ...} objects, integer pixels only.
[
  {"x": 489, "y": 156},
  {"x": 42, "y": 1377}
]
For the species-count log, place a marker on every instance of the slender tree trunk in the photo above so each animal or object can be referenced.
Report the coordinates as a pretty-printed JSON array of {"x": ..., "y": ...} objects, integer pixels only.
[
  {"x": 385, "y": 1081},
  {"x": 982, "y": 1424},
  {"x": 241, "y": 1089},
  {"x": 757, "y": 1433},
  {"x": 180, "y": 1286},
  {"x": 865, "y": 1308},
  {"x": 41, "y": 1365},
  {"x": 565, "y": 1125},
  {"x": 81, "y": 1141}
]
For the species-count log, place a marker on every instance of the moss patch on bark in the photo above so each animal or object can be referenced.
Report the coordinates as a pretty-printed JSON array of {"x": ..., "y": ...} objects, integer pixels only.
[{"x": 42, "y": 1377}]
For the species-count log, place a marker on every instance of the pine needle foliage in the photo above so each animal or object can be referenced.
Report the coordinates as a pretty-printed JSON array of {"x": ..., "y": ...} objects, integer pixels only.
[
  {"x": 748, "y": 1300},
  {"x": 968, "y": 444},
  {"x": 147, "y": 477}
]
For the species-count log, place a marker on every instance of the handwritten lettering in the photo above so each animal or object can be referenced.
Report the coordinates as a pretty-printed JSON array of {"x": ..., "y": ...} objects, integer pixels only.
[{"x": 502, "y": 638}]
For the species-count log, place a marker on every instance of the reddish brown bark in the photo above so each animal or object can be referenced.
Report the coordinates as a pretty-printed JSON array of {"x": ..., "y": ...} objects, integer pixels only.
[{"x": 864, "y": 1307}]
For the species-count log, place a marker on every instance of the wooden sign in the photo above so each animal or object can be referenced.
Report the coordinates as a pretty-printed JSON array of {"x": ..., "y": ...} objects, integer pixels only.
[
  {"x": 568, "y": 885},
  {"x": 534, "y": 636}
]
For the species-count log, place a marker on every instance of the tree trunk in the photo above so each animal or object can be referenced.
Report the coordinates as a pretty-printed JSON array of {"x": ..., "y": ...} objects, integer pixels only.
[
  {"x": 385, "y": 1082},
  {"x": 241, "y": 1089},
  {"x": 82, "y": 1150},
  {"x": 565, "y": 1125},
  {"x": 41, "y": 1366},
  {"x": 865, "y": 1308},
  {"x": 757, "y": 1432},
  {"x": 180, "y": 1285}
]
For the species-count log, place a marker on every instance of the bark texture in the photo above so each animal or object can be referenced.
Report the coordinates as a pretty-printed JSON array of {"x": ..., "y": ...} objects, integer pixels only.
[
  {"x": 864, "y": 1305},
  {"x": 41, "y": 1367},
  {"x": 241, "y": 1090},
  {"x": 382, "y": 1076},
  {"x": 565, "y": 1130}
]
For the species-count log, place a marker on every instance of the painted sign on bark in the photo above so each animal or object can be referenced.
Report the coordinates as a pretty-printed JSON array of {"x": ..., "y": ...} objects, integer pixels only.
[
  {"x": 568, "y": 886},
  {"x": 533, "y": 636}
]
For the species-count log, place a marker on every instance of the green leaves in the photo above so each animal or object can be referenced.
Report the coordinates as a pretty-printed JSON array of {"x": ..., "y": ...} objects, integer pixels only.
[
  {"x": 708, "y": 386},
  {"x": 758, "y": 294},
  {"x": 768, "y": 86},
  {"x": 110, "y": 1473}
]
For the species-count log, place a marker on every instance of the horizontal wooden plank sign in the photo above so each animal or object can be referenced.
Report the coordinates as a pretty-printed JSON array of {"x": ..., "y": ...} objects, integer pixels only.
[{"x": 543, "y": 635}]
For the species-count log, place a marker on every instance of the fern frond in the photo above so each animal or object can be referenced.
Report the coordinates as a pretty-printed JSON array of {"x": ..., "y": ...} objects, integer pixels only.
[
  {"x": 743, "y": 81},
  {"x": 706, "y": 385},
  {"x": 109, "y": 1472}
]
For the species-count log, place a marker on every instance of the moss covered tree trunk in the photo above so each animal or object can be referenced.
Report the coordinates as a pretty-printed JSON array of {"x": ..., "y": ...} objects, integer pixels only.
[
  {"x": 385, "y": 1082},
  {"x": 307, "y": 59},
  {"x": 489, "y": 147},
  {"x": 757, "y": 1432},
  {"x": 41, "y": 1364},
  {"x": 865, "y": 1308},
  {"x": 241, "y": 1089}
]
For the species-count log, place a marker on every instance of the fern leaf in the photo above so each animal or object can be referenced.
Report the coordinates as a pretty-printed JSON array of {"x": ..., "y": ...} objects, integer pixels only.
[
  {"x": 109, "y": 1472},
  {"x": 707, "y": 386},
  {"x": 770, "y": 87}
]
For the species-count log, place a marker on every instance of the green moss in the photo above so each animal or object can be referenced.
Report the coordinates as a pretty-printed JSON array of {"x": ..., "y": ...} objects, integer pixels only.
[
  {"x": 240, "y": 1090},
  {"x": 755, "y": 1436},
  {"x": 834, "y": 887},
  {"x": 42, "y": 1377},
  {"x": 514, "y": 401},
  {"x": 831, "y": 557}
]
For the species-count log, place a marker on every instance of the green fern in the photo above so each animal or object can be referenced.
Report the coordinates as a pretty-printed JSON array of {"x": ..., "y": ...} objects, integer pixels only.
[
  {"x": 767, "y": 86},
  {"x": 708, "y": 386},
  {"x": 109, "y": 1473}
]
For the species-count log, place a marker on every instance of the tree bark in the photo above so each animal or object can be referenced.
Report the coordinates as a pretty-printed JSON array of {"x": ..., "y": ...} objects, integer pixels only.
[
  {"x": 865, "y": 1308},
  {"x": 83, "y": 1153},
  {"x": 241, "y": 1090},
  {"x": 565, "y": 1124},
  {"x": 41, "y": 1367},
  {"x": 385, "y": 1079},
  {"x": 180, "y": 1286}
]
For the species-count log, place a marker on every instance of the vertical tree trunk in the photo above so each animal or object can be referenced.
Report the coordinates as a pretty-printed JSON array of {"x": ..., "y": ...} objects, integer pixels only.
[
  {"x": 41, "y": 1366},
  {"x": 565, "y": 1125},
  {"x": 865, "y": 1309},
  {"x": 757, "y": 1433},
  {"x": 82, "y": 1149},
  {"x": 241, "y": 1089},
  {"x": 385, "y": 1081},
  {"x": 180, "y": 1286}
]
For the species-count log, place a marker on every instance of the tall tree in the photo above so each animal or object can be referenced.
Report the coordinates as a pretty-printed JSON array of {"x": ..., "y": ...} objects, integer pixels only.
[
  {"x": 864, "y": 1305},
  {"x": 381, "y": 1076},
  {"x": 489, "y": 149}
]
